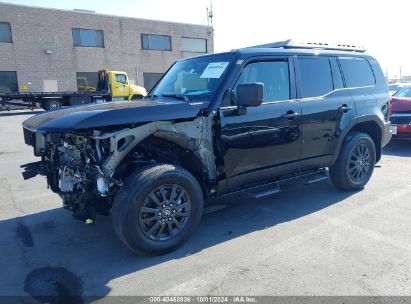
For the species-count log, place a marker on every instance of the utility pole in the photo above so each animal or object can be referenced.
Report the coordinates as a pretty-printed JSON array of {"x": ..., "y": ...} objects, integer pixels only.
[{"x": 400, "y": 73}]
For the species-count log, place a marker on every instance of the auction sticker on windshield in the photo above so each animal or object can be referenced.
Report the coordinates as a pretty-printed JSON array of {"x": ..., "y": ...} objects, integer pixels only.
[{"x": 214, "y": 70}]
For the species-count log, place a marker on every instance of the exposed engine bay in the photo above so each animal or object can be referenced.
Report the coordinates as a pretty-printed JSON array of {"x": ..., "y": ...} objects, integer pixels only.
[{"x": 87, "y": 168}]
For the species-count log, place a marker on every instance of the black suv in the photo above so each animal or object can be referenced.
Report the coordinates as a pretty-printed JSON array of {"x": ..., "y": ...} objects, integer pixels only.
[{"x": 244, "y": 121}]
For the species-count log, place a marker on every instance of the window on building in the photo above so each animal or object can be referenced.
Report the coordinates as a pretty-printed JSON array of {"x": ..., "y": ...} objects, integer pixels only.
[
  {"x": 8, "y": 82},
  {"x": 196, "y": 45},
  {"x": 273, "y": 74},
  {"x": 5, "y": 32},
  {"x": 316, "y": 77},
  {"x": 357, "y": 72},
  {"x": 121, "y": 78},
  {"x": 87, "y": 81},
  {"x": 88, "y": 38},
  {"x": 155, "y": 42},
  {"x": 150, "y": 80}
]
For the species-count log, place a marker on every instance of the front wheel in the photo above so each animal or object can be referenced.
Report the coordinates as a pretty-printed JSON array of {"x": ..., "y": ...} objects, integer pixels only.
[
  {"x": 355, "y": 163},
  {"x": 157, "y": 209},
  {"x": 137, "y": 97}
]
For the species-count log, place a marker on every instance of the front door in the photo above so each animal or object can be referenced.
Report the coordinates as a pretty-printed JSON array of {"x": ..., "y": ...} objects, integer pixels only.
[
  {"x": 265, "y": 141},
  {"x": 121, "y": 87}
]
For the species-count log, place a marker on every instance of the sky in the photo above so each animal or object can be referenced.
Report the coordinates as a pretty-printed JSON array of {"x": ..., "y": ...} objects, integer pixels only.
[{"x": 381, "y": 26}]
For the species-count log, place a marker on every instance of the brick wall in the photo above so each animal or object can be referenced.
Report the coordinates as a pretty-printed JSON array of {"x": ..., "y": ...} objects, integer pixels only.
[{"x": 36, "y": 30}]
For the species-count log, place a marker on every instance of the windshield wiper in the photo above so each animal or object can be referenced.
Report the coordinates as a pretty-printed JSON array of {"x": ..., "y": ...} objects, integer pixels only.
[{"x": 177, "y": 96}]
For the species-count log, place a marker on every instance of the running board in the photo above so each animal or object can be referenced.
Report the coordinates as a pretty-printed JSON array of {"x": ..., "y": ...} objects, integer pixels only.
[
  {"x": 265, "y": 191},
  {"x": 318, "y": 178},
  {"x": 307, "y": 178}
]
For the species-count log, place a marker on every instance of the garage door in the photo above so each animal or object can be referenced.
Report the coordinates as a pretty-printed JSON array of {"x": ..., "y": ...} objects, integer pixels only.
[{"x": 8, "y": 82}]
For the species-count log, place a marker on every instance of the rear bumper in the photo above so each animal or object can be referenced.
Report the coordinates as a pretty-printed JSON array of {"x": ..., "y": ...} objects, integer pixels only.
[
  {"x": 386, "y": 136},
  {"x": 403, "y": 132}
]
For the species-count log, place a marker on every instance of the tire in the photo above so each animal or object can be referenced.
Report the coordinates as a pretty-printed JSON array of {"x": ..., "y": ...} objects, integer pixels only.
[
  {"x": 137, "y": 97},
  {"x": 355, "y": 163},
  {"x": 133, "y": 206},
  {"x": 53, "y": 104}
]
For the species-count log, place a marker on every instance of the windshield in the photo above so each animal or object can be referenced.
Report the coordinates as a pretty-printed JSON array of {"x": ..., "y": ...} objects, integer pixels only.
[
  {"x": 194, "y": 79},
  {"x": 393, "y": 87},
  {"x": 405, "y": 92}
]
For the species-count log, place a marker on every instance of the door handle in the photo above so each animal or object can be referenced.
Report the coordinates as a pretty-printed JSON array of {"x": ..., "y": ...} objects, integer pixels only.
[
  {"x": 345, "y": 108},
  {"x": 290, "y": 115}
]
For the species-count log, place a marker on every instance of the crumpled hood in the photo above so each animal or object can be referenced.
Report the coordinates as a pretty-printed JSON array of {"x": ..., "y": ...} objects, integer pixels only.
[
  {"x": 111, "y": 114},
  {"x": 400, "y": 105}
]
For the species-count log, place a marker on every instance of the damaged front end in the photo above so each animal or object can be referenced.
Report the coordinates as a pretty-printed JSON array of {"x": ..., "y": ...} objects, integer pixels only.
[
  {"x": 72, "y": 165},
  {"x": 87, "y": 168}
]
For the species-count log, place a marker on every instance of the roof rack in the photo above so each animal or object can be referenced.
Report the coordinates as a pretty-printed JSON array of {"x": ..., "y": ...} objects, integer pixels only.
[{"x": 294, "y": 44}]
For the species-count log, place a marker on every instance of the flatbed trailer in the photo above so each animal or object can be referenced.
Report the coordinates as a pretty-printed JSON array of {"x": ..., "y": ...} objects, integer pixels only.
[
  {"x": 111, "y": 85},
  {"x": 50, "y": 100}
]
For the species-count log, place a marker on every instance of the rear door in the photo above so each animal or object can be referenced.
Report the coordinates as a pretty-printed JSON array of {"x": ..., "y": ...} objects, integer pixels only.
[
  {"x": 326, "y": 108},
  {"x": 265, "y": 140}
]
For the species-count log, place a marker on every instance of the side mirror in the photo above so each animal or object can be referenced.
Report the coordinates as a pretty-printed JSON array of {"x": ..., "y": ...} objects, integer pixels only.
[{"x": 250, "y": 94}]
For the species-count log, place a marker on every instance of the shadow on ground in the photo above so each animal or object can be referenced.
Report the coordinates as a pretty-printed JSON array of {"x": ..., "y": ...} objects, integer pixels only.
[
  {"x": 398, "y": 148},
  {"x": 17, "y": 113},
  {"x": 62, "y": 256}
]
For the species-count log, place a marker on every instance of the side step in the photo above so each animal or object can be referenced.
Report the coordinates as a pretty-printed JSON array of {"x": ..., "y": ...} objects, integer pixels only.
[
  {"x": 307, "y": 178},
  {"x": 262, "y": 191},
  {"x": 321, "y": 176}
]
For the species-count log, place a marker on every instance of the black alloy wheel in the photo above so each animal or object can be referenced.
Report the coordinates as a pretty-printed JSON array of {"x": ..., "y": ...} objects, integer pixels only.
[
  {"x": 359, "y": 163},
  {"x": 157, "y": 209},
  {"x": 165, "y": 212},
  {"x": 355, "y": 163}
]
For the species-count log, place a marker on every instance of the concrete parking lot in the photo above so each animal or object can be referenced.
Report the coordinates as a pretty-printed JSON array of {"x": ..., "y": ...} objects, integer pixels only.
[{"x": 306, "y": 240}]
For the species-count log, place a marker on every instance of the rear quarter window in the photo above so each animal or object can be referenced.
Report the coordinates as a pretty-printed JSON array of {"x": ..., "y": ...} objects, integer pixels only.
[{"x": 357, "y": 72}]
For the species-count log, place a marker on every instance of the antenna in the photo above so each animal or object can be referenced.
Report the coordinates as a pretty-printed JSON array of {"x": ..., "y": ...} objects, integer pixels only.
[
  {"x": 210, "y": 16},
  {"x": 210, "y": 13}
]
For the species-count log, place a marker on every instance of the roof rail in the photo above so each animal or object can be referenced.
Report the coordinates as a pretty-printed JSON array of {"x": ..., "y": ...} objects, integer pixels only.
[{"x": 294, "y": 44}]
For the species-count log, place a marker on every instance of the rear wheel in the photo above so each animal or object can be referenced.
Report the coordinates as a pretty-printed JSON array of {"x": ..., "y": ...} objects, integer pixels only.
[
  {"x": 355, "y": 163},
  {"x": 157, "y": 209},
  {"x": 52, "y": 104}
]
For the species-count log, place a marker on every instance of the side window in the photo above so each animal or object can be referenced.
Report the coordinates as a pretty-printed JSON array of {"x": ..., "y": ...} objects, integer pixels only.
[
  {"x": 273, "y": 74},
  {"x": 316, "y": 77},
  {"x": 121, "y": 78},
  {"x": 357, "y": 72}
]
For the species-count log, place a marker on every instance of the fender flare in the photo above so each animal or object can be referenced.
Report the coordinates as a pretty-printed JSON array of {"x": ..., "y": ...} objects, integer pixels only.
[{"x": 361, "y": 119}]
